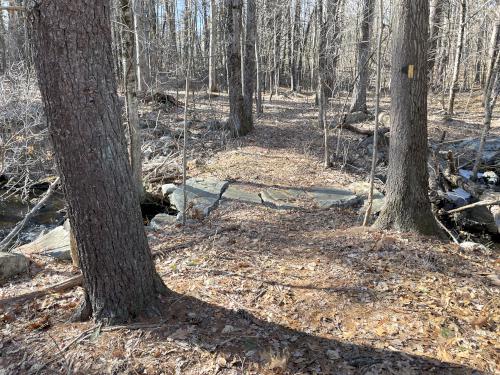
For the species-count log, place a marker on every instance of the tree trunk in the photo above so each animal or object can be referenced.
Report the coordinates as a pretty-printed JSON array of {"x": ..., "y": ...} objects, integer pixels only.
[
  {"x": 458, "y": 56},
  {"x": 493, "y": 50},
  {"x": 172, "y": 37},
  {"x": 407, "y": 206},
  {"x": 490, "y": 98},
  {"x": 359, "y": 94},
  {"x": 212, "y": 78},
  {"x": 236, "y": 106},
  {"x": 295, "y": 50},
  {"x": 436, "y": 13},
  {"x": 130, "y": 83},
  {"x": 321, "y": 56},
  {"x": 75, "y": 71},
  {"x": 249, "y": 72}
]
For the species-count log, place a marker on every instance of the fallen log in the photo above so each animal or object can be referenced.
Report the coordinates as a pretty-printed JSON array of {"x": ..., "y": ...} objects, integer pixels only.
[
  {"x": 474, "y": 189},
  {"x": 476, "y": 204},
  {"x": 365, "y": 131}
]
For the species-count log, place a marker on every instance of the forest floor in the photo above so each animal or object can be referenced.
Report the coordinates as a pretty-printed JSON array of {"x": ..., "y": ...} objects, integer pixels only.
[{"x": 262, "y": 291}]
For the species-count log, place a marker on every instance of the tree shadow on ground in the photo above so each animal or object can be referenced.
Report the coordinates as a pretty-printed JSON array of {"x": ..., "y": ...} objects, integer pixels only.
[{"x": 255, "y": 342}]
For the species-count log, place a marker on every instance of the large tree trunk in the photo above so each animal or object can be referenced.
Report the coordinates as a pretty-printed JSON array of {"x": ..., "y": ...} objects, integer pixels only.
[
  {"x": 212, "y": 78},
  {"x": 130, "y": 82},
  {"x": 236, "y": 106},
  {"x": 407, "y": 206},
  {"x": 458, "y": 56},
  {"x": 75, "y": 72},
  {"x": 359, "y": 94},
  {"x": 249, "y": 72}
]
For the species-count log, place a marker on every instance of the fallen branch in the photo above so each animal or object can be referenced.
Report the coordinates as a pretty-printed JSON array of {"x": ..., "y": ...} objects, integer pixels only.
[
  {"x": 19, "y": 226},
  {"x": 56, "y": 288},
  {"x": 477, "y": 204},
  {"x": 78, "y": 280},
  {"x": 474, "y": 189},
  {"x": 364, "y": 131}
]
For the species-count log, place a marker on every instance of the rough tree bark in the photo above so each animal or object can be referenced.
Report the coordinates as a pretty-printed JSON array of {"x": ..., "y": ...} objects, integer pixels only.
[
  {"x": 359, "y": 95},
  {"x": 237, "y": 122},
  {"x": 75, "y": 71},
  {"x": 130, "y": 82},
  {"x": 407, "y": 206},
  {"x": 458, "y": 56}
]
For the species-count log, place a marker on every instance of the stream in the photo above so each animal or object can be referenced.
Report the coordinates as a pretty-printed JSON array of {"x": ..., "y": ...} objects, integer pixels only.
[{"x": 13, "y": 210}]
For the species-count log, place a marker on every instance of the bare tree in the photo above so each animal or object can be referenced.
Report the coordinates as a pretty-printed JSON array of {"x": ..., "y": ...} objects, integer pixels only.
[
  {"x": 436, "y": 13},
  {"x": 359, "y": 94},
  {"x": 237, "y": 121},
  {"x": 458, "y": 56},
  {"x": 75, "y": 71},
  {"x": 212, "y": 78},
  {"x": 249, "y": 66},
  {"x": 407, "y": 206},
  {"x": 130, "y": 83}
]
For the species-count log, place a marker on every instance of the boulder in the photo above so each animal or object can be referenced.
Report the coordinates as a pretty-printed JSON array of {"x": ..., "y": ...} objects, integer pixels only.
[
  {"x": 362, "y": 189},
  {"x": 54, "y": 244},
  {"x": 491, "y": 151},
  {"x": 12, "y": 264},
  {"x": 203, "y": 195},
  {"x": 326, "y": 197},
  {"x": 168, "y": 189},
  {"x": 160, "y": 221},
  {"x": 237, "y": 193}
]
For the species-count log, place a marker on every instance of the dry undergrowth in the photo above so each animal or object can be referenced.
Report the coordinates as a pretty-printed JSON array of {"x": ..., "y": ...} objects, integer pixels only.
[{"x": 262, "y": 291}]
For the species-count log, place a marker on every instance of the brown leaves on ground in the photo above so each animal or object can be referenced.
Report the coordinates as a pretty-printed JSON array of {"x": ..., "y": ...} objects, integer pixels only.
[{"x": 283, "y": 292}]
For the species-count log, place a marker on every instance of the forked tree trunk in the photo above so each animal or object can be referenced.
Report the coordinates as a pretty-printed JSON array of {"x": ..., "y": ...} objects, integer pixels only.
[
  {"x": 458, "y": 56},
  {"x": 75, "y": 71},
  {"x": 236, "y": 106},
  {"x": 130, "y": 82},
  {"x": 407, "y": 206},
  {"x": 359, "y": 94}
]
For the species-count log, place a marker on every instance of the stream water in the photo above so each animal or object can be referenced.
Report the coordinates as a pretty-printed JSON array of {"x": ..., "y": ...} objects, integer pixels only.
[{"x": 13, "y": 210}]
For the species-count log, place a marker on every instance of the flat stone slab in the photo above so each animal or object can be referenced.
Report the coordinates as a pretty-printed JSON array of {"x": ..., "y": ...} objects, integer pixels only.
[
  {"x": 160, "y": 221},
  {"x": 203, "y": 195},
  {"x": 54, "y": 244},
  {"x": 287, "y": 199},
  {"x": 237, "y": 193},
  {"x": 12, "y": 264},
  {"x": 362, "y": 189},
  {"x": 326, "y": 197}
]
